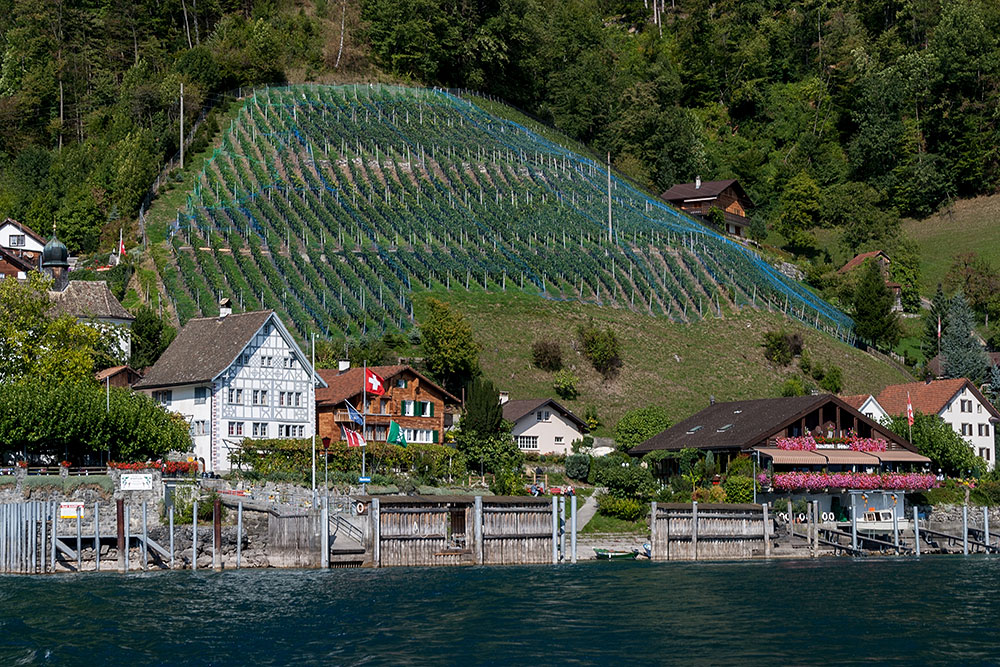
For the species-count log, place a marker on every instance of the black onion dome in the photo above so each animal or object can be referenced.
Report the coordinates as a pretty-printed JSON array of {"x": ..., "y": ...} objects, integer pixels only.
[{"x": 55, "y": 254}]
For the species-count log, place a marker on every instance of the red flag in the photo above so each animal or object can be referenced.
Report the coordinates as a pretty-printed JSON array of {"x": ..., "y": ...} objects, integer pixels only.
[
  {"x": 373, "y": 383},
  {"x": 121, "y": 245},
  {"x": 909, "y": 410},
  {"x": 939, "y": 326},
  {"x": 354, "y": 439}
]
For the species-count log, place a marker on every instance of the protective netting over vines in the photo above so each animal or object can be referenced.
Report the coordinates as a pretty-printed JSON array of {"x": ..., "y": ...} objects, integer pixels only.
[{"x": 331, "y": 204}]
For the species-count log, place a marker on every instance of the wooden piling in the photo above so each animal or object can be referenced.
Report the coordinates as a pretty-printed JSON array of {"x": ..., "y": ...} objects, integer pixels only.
[
  {"x": 916, "y": 531},
  {"x": 217, "y": 535},
  {"x": 145, "y": 538},
  {"x": 694, "y": 530},
  {"x": 324, "y": 527},
  {"x": 555, "y": 531},
  {"x": 194, "y": 535},
  {"x": 767, "y": 531},
  {"x": 239, "y": 533},
  {"x": 128, "y": 535},
  {"x": 572, "y": 502},
  {"x": 965, "y": 530},
  {"x": 375, "y": 519},
  {"x": 478, "y": 529}
]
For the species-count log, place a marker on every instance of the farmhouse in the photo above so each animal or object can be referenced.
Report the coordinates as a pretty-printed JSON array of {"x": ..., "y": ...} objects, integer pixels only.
[
  {"x": 234, "y": 377},
  {"x": 883, "y": 262},
  {"x": 867, "y": 405},
  {"x": 542, "y": 425},
  {"x": 958, "y": 402},
  {"x": 700, "y": 197},
  {"x": 21, "y": 241},
  {"x": 422, "y": 408},
  {"x": 756, "y": 426}
]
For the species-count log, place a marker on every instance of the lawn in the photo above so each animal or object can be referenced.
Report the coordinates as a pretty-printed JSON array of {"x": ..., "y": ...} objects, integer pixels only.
[
  {"x": 969, "y": 225},
  {"x": 609, "y": 524}
]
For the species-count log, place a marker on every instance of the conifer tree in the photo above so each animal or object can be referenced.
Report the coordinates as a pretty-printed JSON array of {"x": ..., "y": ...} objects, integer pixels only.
[
  {"x": 483, "y": 412},
  {"x": 874, "y": 319},
  {"x": 993, "y": 378},
  {"x": 961, "y": 352}
]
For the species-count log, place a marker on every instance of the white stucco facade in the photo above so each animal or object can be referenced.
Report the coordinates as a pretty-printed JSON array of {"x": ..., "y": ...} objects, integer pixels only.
[
  {"x": 14, "y": 237},
  {"x": 266, "y": 392},
  {"x": 545, "y": 431},
  {"x": 871, "y": 409},
  {"x": 971, "y": 420}
]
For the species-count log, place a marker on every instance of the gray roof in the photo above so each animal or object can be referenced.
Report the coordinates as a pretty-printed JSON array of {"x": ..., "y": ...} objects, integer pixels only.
[
  {"x": 708, "y": 189},
  {"x": 203, "y": 349},
  {"x": 743, "y": 424},
  {"x": 88, "y": 299},
  {"x": 514, "y": 410}
]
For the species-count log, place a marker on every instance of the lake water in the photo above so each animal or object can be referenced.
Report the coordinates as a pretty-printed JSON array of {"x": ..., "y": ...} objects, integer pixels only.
[{"x": 833, "y": 611}]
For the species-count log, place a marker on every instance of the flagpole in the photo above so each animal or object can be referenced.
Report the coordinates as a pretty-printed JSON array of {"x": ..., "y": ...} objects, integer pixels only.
[
  {"x": 364, "y": 423},
  {"x": 313, "y": 394}
]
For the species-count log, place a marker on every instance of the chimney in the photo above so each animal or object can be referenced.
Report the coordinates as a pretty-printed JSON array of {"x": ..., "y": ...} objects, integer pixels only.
[
  {"x": 504, "y": 397},
  {"x": 225, "y": 308},
  {"x": 343, "y": 365},
  {"x": 697, "y": 182},
  {"x": 711, "y": 399}
]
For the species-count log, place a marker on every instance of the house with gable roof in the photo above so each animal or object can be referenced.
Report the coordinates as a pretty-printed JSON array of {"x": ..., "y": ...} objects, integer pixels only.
[
  {"x": 422, "y": 408},
  {"x": 543, "y": 425},
  {"x": 883, "y": 261},
  {"x": 21, "y": 241},
  {"x": 958, "y": 402},
  {"x": 867, "y": 405},
  {"x": 234, "y": 377},
  {"x": 700, "y": 197}
]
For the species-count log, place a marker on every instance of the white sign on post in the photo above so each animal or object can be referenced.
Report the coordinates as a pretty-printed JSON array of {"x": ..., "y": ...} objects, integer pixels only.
[
  {"x": 70, "y": 510},
  {"x": 137, "y": 482}
]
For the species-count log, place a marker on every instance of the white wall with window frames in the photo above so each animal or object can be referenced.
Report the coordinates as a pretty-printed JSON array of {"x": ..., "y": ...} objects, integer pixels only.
[
  {"x": 417, "y": 408},
  {"x": 966, "y": 414},
  {"x": 546, "y": 431}
]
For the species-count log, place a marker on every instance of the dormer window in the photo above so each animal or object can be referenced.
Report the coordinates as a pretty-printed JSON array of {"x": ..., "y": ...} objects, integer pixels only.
[
  {"x": 694, "y": 429},
  {"x": 723, "y": 429}
]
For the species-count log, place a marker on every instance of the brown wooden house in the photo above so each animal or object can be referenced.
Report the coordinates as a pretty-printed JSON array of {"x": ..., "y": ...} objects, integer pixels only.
[
  {"x": 883, "y": 262},
  {"x": 420, "y": 407},
  {"x": 740, "y": 427},
  {"x": 118, "y": 376},
  {"x": 12, "y": 265},
  {"x": 700, "y": 197}
]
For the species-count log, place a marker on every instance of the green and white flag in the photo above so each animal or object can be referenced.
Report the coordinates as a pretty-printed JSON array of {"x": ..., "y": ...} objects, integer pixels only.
[{"x": 395, "y": 435}]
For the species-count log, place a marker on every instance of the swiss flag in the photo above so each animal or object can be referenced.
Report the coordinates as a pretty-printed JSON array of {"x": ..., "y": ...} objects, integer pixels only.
[
  {"x": 909, "y": 410},
  {"x": 373, "y": 383},
  {"x": 121, "y": 244},
  {"x": 354, "y": 439}
]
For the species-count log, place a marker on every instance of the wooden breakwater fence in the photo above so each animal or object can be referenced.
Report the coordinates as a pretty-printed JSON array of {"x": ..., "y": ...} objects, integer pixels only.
[
  {"x": 698, "y": 531},
  {"x": 470, "y": 530}
]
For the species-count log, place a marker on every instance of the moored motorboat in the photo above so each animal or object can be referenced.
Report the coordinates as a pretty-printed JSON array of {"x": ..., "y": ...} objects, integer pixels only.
[{"x": 613, "y": 554}]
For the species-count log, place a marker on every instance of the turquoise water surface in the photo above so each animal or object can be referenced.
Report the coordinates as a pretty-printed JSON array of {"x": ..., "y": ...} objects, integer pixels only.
[{"x": 827, "y": 611}]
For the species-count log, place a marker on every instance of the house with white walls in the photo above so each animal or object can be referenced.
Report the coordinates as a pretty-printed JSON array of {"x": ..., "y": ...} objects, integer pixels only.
[
  {"x": 234, "y": 377},
  {"x": 867, "y": 405},
  {"x": 957, "y": 401},
  {"x": 542, "y": 425}
]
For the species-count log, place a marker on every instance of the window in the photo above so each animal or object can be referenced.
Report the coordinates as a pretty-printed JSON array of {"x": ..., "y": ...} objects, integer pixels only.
[
  {"x": 979, "y": 408},
  {"x": 428, "y": 409},
  {"x": 527, "y": 442},
  {"x": 267, "y": 329},
  {"x": 235, "y": 396},
  {"x": 966, "y": 429},
  {"x": 559, "y": 440},
  {"x": 281, "y": 398},
  {"x": 984, "y": 430},
  {"x": 200, "y": 395},
  {"x": 260, "y": 429},
  {"x": 984, "y": 453},
  {"x": 409, "y": 409},
  {"x": 163, "y": 397},
  {"x": 17, "y": 240},
  {"x": 235, "y": 428},
  {"x": 542, "y": 415},
  {"x": 259, "y": 397},
  {"x": 266, "y": 362},
  {"x": 401, "y": 383},
  {"x": 419, "y": 435},
  {"x": 966, "y": 405},
  {"x": 198, "y": 427},
  {"x": 298, "y": 398}
]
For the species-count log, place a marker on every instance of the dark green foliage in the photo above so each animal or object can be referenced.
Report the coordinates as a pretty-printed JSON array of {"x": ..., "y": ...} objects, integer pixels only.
[
  {"x": 577, "y": 466},
  {"x": 832, "y": 380},
  {"x": 977, "y": 280},
  {"x": 741, "y": 466},
  {"x": 937, "y": 314},
  {"x": 874, "y": 319},
  {"x": 494, "y": 453},
  {"x": 628, "y": 481},
  {"x": 450, "y": 352},
  {"x": 640, "y": 424},
  {"x": 72, "y": 419},
  {"x": 962, "y": 354},
  {"x": 565, "y": 385},
  {"x": 601, "y": 347},
  {"x": 781, "y": 346},
  {"x": 547, "y": 355},
  {"x": 993, "y": 379},
  {"x": 938, "y": 441},
  {"x": 483, "y": 412},
  {"x": 793, "y": 386},
  {"x": 150, "y": 337}
]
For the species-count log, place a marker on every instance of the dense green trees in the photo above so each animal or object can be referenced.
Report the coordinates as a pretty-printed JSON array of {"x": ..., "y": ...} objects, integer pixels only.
[
  {"x": 937, "y": 440},
  {"x": 450, "y": 352},
  {"x": 640, "y": 424},
  {"x": 874, "y": 319},
  {"x": 962, "y": 353}
]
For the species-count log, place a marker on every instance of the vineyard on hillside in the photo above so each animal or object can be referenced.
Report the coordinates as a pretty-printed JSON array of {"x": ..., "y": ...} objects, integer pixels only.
[{"x": 331, "y": 204}]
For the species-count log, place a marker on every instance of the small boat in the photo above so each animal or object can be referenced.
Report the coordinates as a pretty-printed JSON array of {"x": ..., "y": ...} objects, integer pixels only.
[{"x": 612, "y": 554}]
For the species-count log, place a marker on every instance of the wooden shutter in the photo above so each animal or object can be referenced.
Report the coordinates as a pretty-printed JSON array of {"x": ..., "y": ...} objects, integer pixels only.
[
  {"x": 432, "y": 407},
  {"x": 402, "y": 408},
  {"x": 434, "y": 436}
]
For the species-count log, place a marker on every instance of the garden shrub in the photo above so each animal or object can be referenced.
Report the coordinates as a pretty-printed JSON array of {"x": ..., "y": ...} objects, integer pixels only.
[
  {"x": 565, "y": 385},
  {"x": 628, "y": 481},
  {"x": 738, "y": 489},
  {"x": 577, "y": 466},
  {"x": 832, "y": 381},
  {"x": 781, "y": 347},
  {"x": 710, "y": 494},
  {"x": 742, "y": 465},
  {"x": 600, "y": 463},
  {"x": 626, "y": 509},
  {"x": 601, "y": 347},
  {"x": 547, "y": 355}
]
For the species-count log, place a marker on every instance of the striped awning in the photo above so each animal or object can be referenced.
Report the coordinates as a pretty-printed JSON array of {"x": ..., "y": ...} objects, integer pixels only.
[
  {"x": 901, "y": 456},
  {"x": 848, "y": 457},
  {"x": 792, "y": 457}
]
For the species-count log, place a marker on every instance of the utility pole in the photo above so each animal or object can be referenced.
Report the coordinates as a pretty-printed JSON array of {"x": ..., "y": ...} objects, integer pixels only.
[
  {"x": 182, "y": 125},
  {"x": 610, "y": 235}
]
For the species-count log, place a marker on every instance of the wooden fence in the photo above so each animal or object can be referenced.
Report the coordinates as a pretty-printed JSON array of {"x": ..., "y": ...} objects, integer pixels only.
[
  {"x": 464, "y": 530},
  {"x": 706, "y": 532}
]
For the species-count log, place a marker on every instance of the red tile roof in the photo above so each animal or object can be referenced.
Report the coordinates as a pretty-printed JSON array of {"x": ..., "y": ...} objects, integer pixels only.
[
  {"x": 855, "y": 400},
  {"x": 929, "y": 398},
  {"x": 858, "y": 260},
  {"x": 347, "y": 385}
]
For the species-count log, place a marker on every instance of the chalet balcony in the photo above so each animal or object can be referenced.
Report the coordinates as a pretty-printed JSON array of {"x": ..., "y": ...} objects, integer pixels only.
[{"x": 343, "y": 416}]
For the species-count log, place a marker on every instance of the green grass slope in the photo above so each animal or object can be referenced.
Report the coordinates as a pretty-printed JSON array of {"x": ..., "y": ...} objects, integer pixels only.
[
  {"x": 675, "y": 365},
  {"x": 969, "y": 225}
]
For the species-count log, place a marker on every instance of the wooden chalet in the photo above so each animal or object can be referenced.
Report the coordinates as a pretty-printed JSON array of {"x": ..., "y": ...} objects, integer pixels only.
[
  {"x": 753, "y": 427},
  {"x": 118, "y": 376},
  {"x": 700, "y": 197},
  {"x": 883, "y": 261},
  {"x": 422, "y": 408}
]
